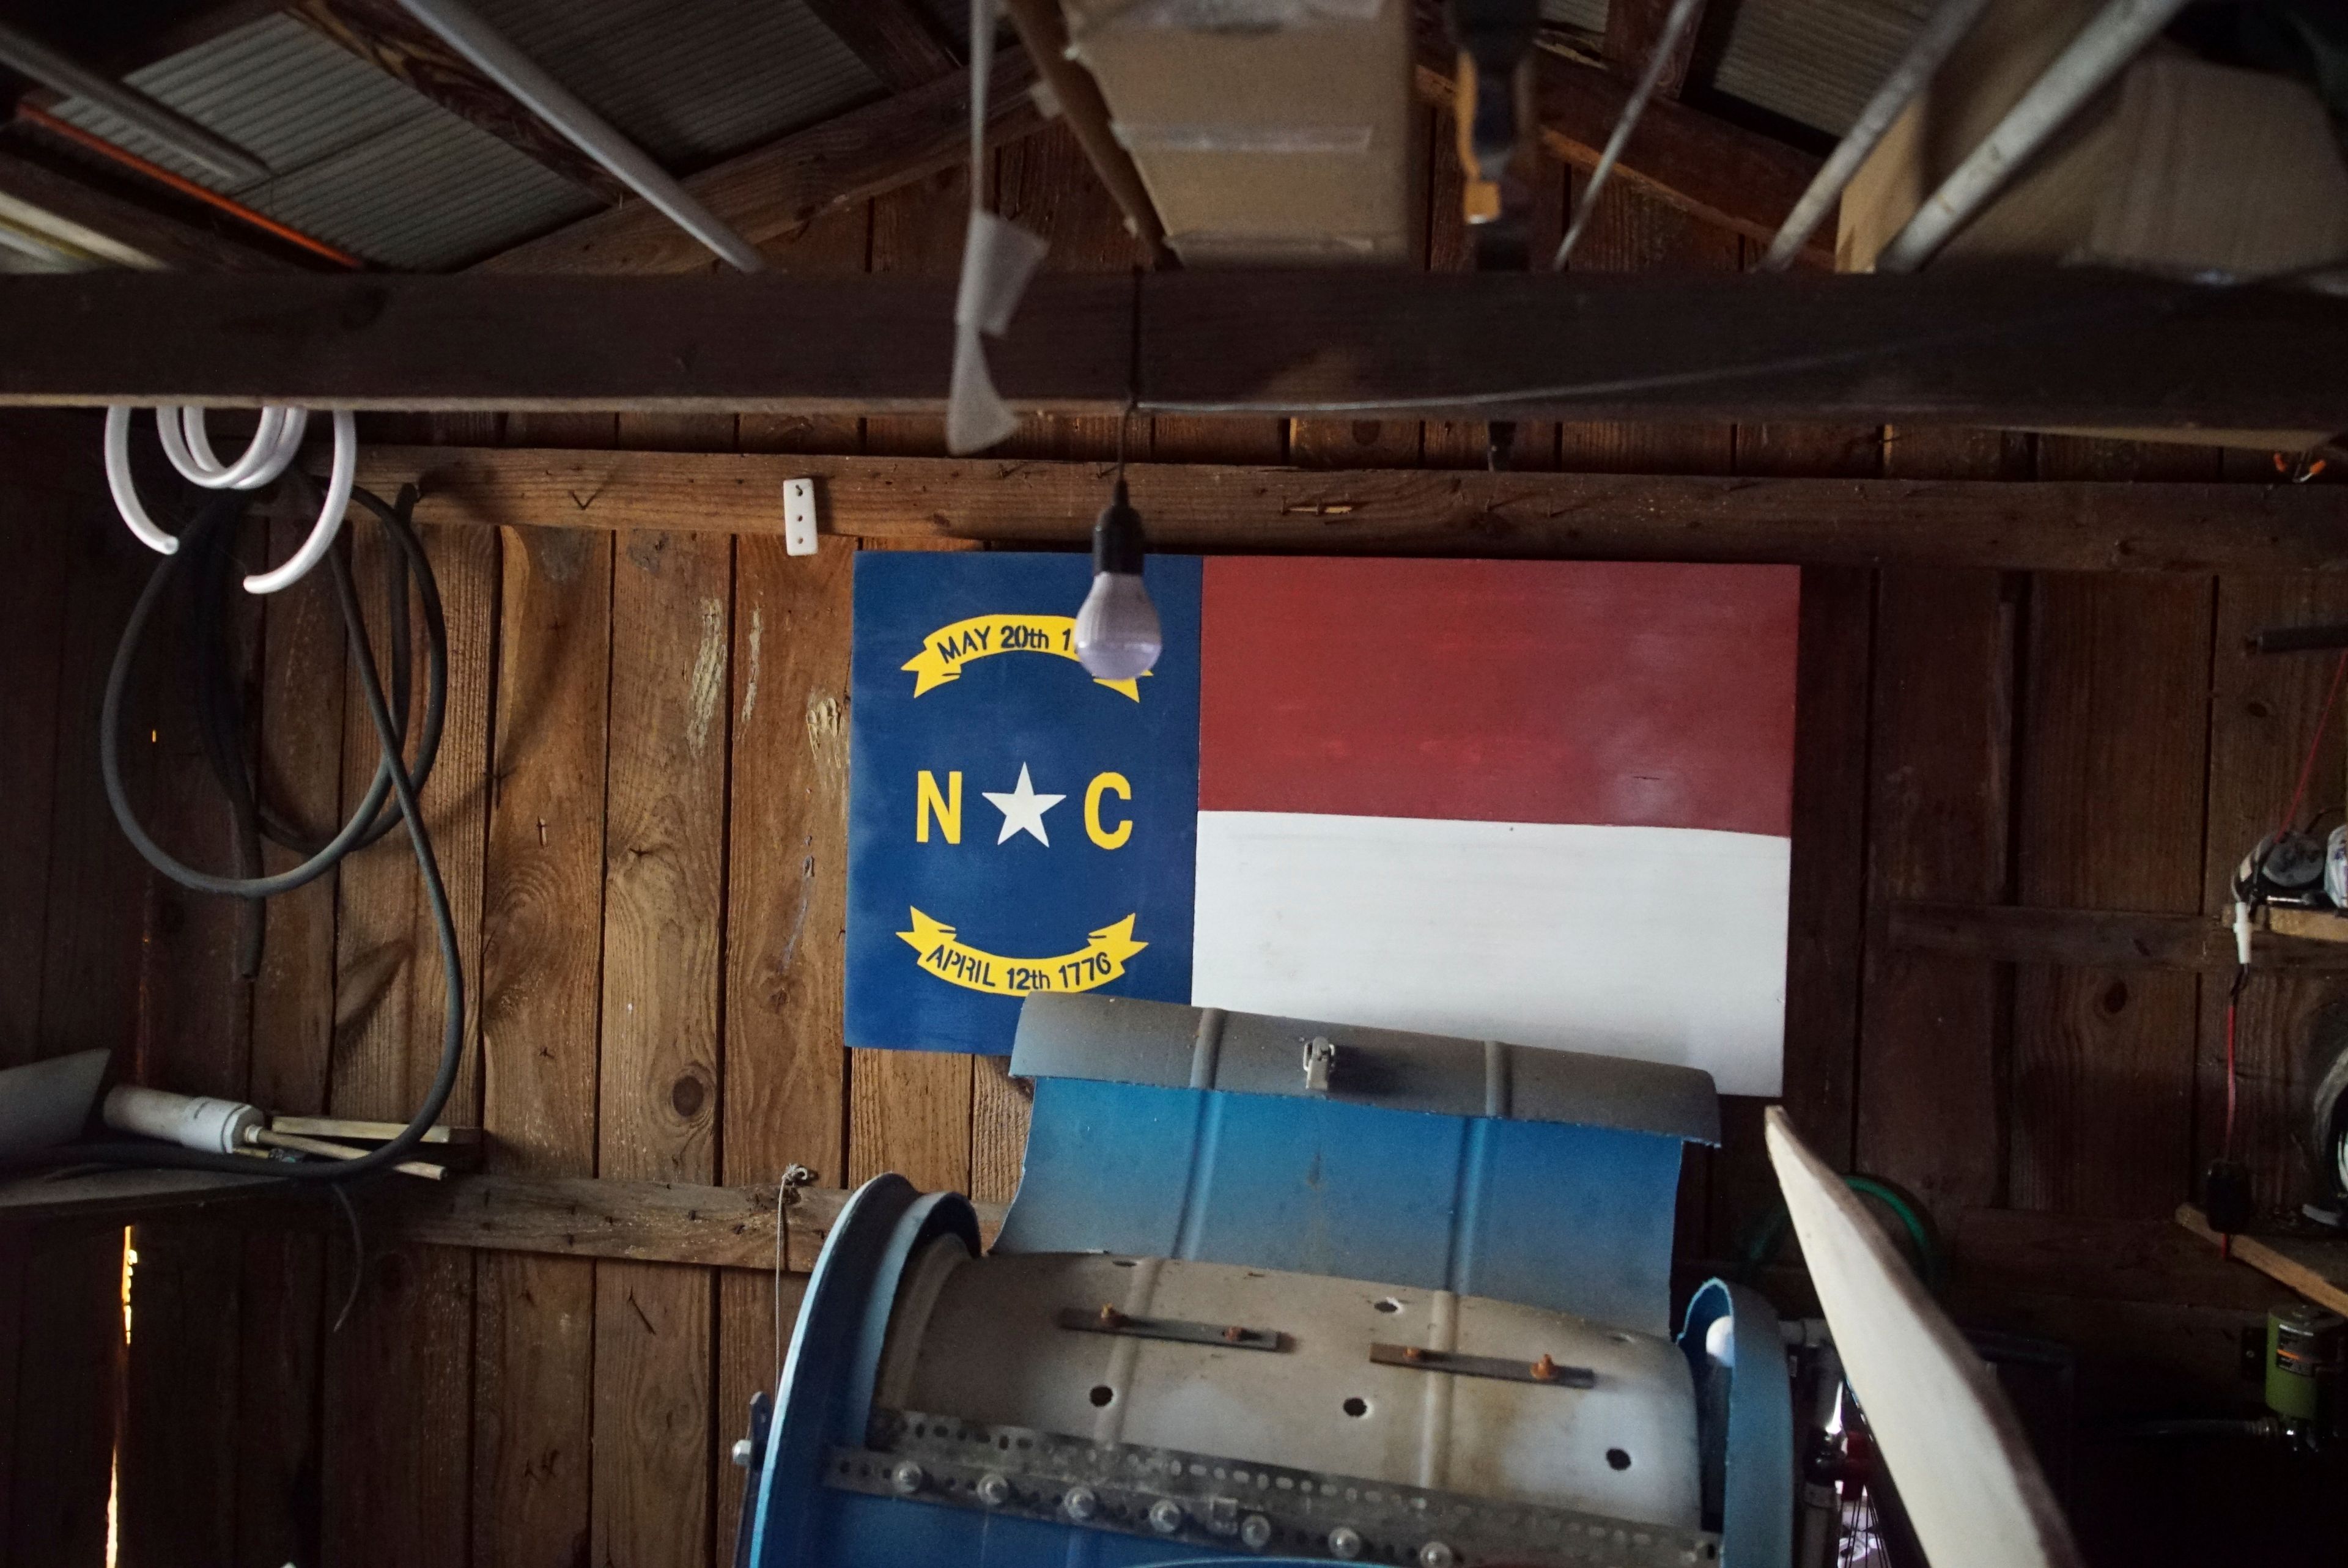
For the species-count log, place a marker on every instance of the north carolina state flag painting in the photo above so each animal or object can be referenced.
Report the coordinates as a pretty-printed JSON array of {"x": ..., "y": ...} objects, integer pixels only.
[{"x": 1540, "y": 801}]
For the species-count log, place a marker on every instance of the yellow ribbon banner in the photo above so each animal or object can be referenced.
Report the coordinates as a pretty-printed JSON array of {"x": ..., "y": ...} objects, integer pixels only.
[
  {"x": 945, "y": 650},
  {"x": 1096, "y": 963}
]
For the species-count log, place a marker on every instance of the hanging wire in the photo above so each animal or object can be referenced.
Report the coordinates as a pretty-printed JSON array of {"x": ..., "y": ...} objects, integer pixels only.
[{"x": 1675, "y": 25}]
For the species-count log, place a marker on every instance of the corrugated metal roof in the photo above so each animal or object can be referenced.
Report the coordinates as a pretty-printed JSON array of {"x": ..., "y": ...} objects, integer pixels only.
[
  {"x": 1583, "y": 16},
  {"x": 1816, "y": 61},
  {"x": 358, "y": 159},
  {"x": 690, "y": 82},
  {"x": 363, "y": 162}
]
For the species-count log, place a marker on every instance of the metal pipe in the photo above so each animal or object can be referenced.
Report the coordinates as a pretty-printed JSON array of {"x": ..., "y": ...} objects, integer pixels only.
[
  {"x": 589, "y": 131},
  {"x": 184, "y": 186},
  {"x": 168, "y": 125},
  {"x": 1677, "y": 22},
  {"x": 2108, "y": 42},
  {"x": 1942, "y": 32}
]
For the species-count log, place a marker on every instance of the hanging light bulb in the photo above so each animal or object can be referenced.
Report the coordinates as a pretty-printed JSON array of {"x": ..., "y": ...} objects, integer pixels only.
[{"x": 1117, "y": 634}]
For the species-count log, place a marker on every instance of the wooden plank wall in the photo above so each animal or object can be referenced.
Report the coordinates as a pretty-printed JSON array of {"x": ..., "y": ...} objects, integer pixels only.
[
  {"x": 74, "y": 919},
  {"x": 641, "y": 809}
]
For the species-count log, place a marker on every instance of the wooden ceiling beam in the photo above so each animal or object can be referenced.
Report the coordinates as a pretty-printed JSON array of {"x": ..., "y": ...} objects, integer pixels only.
[
  {"x": 2001, "y": 525},
  {"x": 1718, "y": 172},
  {"x": 386, "y": 37},
  {"x": 1632, "y": 27},
  {"x": 778, "y": 189},
  {"x": 2055, "y": 348},
  {"x": 894, "y": 39}
]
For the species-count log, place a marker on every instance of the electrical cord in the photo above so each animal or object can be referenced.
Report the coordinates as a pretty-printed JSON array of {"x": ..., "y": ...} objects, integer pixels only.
[{"x": 367, "y": 823}]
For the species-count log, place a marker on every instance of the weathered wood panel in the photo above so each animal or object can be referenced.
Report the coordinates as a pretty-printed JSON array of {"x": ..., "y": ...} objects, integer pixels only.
[
  {"x": 542, "y": 940},
  {"x": 2188, "y": 528},
  {"x": 1931, "y": 1088},
  {"x": 2264, "y": 711},
  {"x": 657, "y": 1078},
  {"x": 2113, "y": 774}
]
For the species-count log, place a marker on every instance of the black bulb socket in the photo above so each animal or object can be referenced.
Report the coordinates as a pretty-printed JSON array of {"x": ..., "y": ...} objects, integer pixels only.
[{"x": 1118, "y": 542}]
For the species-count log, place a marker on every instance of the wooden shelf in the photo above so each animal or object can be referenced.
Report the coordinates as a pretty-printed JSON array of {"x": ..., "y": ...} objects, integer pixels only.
[
  {"x": 2316, "y": 924},
  {"x": 2314, "y": 1266}
]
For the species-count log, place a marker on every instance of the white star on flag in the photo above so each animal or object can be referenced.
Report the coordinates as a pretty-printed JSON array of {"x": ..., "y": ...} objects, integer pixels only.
[{"x": 1023, "y": 809}]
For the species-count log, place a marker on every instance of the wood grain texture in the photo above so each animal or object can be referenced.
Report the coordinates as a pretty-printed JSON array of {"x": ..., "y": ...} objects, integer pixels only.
[
  {"x": 397, "y": 1381},
  {"x": 2098, "y": 939},
  {"x": 657, "y": 1074},
  {"x": 909, "y": 1112},
  {"x": 1382, "y": 441},
  {"x": 784, "y": 1093},
  {"x": 917, "y": 233},
  {"x": 1631, "y": 231},
  {"x": 32, "y": 638},
  {"x": 1314, "y": 344},
  {"x": 770, "y": 194},
  {"x": 1932, "y": 1086},
  {"x": 175, "y": 1465},
  {"x": 175, "y": 1476},
  {"x": 1826, "y": 920},
  {"x": 1826, "y": 894},
  {"x": 784, "y": 1098},
  {"x": 2045, "y": 526},
  {"x": 65, "y": 1401},
  {"x": 1001, "y": 1107},
  {"x": 2115, "y": 769},
  {"x": 1634, "y": 28},
  {"x": 65, "y": 1398},
  {"x": 541, "y": 946},
  {"x": 830, "y": 246},
  {"x": 2317, "y": 1269},
  {"x": 895, "y": 39},
  {"x": 1044, "y": 185},
  {"x": 1451, "y": 246},
  {"x": 387, "y": 38},
  {"x": 2263, "y": 713}
]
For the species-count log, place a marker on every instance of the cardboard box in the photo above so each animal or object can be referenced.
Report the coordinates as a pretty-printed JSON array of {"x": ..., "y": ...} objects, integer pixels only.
[
  {"x": 2181, "y": 167},
  {"x": 1268, "y": 131}
]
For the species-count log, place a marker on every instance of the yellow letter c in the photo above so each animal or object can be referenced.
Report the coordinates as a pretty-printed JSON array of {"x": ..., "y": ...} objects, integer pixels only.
[{"x": 1102, "y": 784}]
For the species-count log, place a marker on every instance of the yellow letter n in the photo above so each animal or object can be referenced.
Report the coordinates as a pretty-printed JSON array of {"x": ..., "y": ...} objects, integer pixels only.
[{"x": 948, "y": 806}]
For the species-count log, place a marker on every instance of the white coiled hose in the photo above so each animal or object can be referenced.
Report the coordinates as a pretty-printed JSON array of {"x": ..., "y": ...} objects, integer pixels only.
[{"x": 188, "y": 444}]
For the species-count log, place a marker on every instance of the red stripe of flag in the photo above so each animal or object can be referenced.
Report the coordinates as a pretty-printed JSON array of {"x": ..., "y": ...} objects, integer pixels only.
[{"x": 1610, "y": 693}]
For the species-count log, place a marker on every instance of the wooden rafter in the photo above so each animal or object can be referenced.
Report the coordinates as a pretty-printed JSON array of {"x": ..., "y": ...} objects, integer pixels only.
[
  {"x": 780, "y": 189},
  {"x": 386, "y": 37},
  {"x": 2018, "y": 526},
  {"x": 1632, "y": 29},
  {"x": 896, "y": 42},
  {"x": 2028, "y": 348},
  {"x": 1716, "y": 172},
  {"x": 164, "y": 240}
]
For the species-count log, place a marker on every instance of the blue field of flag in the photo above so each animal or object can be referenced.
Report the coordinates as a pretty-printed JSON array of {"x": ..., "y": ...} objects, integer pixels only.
[{"x": 1014, "y": 825}]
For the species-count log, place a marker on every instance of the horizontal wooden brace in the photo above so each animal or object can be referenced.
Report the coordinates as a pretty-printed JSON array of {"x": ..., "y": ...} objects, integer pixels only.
[
  {"x": 2041, "y": 348},
  {"x": 2013, "y": 524},
  {"x": 2098, "y": 939},
  {"x": 1994, "y": 1251}
]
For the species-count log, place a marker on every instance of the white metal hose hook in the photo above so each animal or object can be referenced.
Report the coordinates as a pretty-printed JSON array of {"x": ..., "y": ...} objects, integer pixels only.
[{"x": 189, "y": 446}]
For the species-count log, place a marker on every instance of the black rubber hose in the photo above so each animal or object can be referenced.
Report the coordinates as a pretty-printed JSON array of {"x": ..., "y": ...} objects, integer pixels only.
[
  {"x": 389, "y": 775},
  {"x": 367, "y": 823}
]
